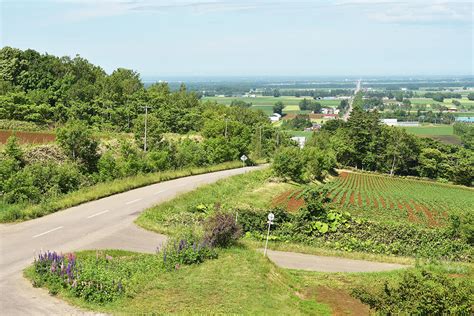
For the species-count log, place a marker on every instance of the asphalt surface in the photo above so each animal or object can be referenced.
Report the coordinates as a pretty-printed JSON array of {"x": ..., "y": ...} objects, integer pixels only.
[
  {"x": 349, "y": 110},
  {"x": 104, "y": 223},
  {"x": 300, "y": 261}
]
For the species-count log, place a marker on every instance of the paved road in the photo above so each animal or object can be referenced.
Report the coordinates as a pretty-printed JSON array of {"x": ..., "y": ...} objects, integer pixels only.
[
  {"x": 349, "y": 110},
  {"x": 299, "y": 261},
  {"x": 105, "y": 223}
]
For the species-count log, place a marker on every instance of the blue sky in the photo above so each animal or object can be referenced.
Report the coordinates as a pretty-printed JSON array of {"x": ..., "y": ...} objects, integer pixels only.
[{"x": 249, "y": 38}]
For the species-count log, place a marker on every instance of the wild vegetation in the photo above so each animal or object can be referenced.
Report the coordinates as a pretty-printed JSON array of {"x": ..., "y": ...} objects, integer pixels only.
[{"x": 100, "y": 126}]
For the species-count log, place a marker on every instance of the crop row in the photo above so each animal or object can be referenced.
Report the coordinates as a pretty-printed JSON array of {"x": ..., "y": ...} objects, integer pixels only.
[{"x": 418, "y": 201}]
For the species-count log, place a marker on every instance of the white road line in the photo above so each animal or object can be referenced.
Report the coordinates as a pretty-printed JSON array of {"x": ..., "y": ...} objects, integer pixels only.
[
  {"x": 97, "y": 214},
  {"x": 161, "y": 191},
  {"x": 133, "y": 201},
  {"x": 49, "y": 231}
]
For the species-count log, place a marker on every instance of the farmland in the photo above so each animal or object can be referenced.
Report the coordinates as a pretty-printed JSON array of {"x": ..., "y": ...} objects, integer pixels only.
[
  {"x": 28, "y": 137},
  {"x": 441, "y": 132},
  {"x": 430, "y": 130},
  {"x": 399, "y": 199},
  {"x": 265, "y": 103}
]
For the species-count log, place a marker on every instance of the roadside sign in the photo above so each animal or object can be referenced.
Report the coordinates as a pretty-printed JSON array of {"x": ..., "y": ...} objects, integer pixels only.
[
  {"x": 271, "y": 217},
  {"x": 243, "y": 158}
]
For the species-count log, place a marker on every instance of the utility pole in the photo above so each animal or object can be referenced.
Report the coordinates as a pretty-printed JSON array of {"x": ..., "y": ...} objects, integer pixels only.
[
  {"x": 225, "y": 133},
  {"x": 146, "y": 122}
]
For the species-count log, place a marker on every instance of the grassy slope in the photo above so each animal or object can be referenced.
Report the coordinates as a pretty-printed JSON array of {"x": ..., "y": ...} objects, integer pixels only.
[
  {"x": 251, "y": 189},
  {"x": 10, "y": 213}
]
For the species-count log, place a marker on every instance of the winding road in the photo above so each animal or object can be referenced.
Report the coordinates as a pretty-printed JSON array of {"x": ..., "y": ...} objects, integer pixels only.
[
  {"x": 108, "y": 223},
  {"x": 104, "y": 223}
]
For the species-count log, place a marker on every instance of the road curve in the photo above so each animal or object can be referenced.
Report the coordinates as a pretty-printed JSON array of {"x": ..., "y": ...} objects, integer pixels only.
[{"x": 104, "y": 223}]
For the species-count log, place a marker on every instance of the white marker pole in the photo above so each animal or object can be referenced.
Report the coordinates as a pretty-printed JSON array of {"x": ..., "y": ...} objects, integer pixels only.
[{"x": 270, "y": 221}]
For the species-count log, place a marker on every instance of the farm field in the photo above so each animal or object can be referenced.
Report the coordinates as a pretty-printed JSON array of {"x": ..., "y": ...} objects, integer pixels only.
[
  {"x": 28, "y": 137},
  {"x": 266, "y": 103},
  {"x": 443, "y": 133},
  {"x": 428, "y": 101},
  {"x": 430, "y": 130},
  {"x": 407, "y": 200}
]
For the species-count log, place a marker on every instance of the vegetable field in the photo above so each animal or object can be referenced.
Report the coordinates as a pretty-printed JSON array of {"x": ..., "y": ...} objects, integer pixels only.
[{"x": 398, "y": 199}]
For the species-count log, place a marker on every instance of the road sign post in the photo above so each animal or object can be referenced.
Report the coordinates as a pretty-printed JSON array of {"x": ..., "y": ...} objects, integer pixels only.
[
  {"x": 243, "y": 158},
  {"x": 271, "y": 217}
]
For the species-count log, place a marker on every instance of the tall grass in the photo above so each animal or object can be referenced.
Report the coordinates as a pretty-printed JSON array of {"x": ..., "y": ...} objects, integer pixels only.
[{"x": 12, "y": 213}]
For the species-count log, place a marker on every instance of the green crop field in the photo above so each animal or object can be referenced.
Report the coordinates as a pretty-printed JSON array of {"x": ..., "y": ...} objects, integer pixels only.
[
  {"x": 430, "y": 130},
  {"x": 291, "y": 108},
  {"x": 398, "y": 199}
]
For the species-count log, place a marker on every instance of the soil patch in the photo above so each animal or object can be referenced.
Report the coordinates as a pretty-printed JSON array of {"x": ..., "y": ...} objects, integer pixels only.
[
  {"x": 28, "y": 137},
  {"x": 289, "y": 200}
]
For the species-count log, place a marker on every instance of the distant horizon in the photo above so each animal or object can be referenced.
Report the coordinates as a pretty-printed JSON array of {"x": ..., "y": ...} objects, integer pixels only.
[{"x": 309, "y": 77}]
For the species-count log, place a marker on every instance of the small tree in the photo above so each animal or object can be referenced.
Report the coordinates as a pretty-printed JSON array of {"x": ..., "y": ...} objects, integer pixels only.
[
  {"x": 13, "y": 149},
  {"x": 278, "y": 107},
  {"x": 76, "y": 139}
]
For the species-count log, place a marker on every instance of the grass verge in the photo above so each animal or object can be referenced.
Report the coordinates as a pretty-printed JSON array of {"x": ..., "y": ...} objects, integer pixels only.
[
  {"x": 240, "y": 281},
  {"x": 245, "y": 191},
  {"x": 12, "y": 213}
]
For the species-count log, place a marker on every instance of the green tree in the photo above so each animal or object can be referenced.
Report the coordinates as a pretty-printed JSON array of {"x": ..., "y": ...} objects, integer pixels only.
[
  {"x": 76, "y": 139},
  {"x": 289, "y": 163},
  {"x": 13, "y": 150},
  {"x": 278, "y": 107}
]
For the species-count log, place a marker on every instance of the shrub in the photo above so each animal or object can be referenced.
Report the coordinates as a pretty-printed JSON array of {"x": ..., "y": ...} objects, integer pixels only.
[
  {"x": 78, "y": 143},
  {"x": 186, "y": 251},
  {"x": 38, "y": 181},
  {"x": 157, "y": 161},
  {"x": 107, "y": 168},
  {"x": 420, "y": 293},
  {"x": 256, "y": 220},
  {"x": 190, "y": 153},
  {"x": 221, "y": 230}
]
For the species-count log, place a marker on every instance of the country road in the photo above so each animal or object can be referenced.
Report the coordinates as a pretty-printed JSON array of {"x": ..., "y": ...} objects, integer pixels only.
[
  {"x": 105, "y": 223},
  {"x": 349, "y": 110}
]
